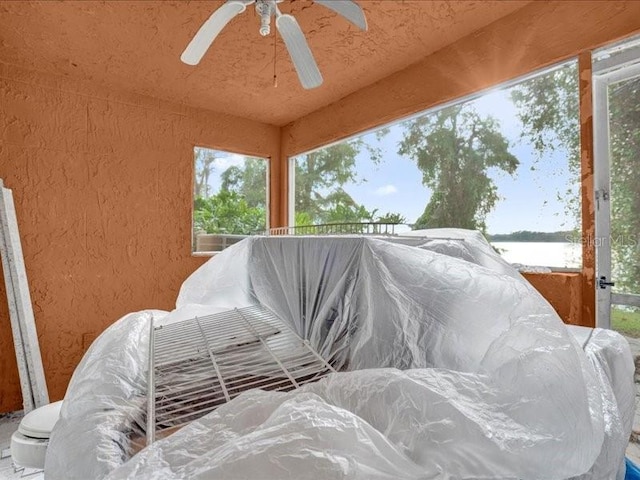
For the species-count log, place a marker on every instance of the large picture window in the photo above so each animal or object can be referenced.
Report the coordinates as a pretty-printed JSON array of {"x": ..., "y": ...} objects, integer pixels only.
[
  {"x": 505, "y": 163},
  {"x": 230, "y": 198}
]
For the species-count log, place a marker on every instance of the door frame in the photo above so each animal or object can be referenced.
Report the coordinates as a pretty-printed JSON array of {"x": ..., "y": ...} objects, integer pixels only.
[{"x": 619, "y": 66}]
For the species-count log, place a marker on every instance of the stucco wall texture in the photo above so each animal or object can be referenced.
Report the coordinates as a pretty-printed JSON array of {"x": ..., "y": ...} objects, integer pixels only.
[{"x": 102, "y": 185}]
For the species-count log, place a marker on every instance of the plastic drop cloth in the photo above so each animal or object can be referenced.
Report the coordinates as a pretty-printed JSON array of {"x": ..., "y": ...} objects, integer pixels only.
[{"x": 452, "y": 366}]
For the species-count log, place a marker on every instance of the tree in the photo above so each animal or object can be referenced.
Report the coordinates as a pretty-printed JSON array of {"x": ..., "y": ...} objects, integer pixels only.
[
  {"x": 204, "y": 161},
  {"x": 348, "y": 211},
  {"x": 624, "y": 125},
  {"x": 394, "y": 218},
  {"x": 320, "y": 176},
  {"x": 227, "y": 212},
  {"x": 548, "y": 107},
  {"x": 249, "y": 181},
  {"x": 454, "y": 148}
]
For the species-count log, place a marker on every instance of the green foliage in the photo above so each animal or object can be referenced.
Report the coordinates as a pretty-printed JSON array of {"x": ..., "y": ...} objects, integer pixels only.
[
  {"x": 227, "y": 212},
  {"x": 248, "y": 181},
  {"x": 240, "y": 205},
  {"x": 320, "y": 177},
  {"x": 394, "y": 218},
  {"x": 344, "y": 213},
  {"x": 548, "y": 107},
  {"x": 302, "y": 219},
  {"x": 454, "y": 148},
  {"x": 624, "y": 126}
]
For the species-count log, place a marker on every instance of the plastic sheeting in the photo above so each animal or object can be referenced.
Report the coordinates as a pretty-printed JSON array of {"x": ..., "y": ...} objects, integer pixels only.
[
  {"x": 610, "y": 356},
  {"x": 453, "y": 367},
  {"x": 104, "y": 405}
]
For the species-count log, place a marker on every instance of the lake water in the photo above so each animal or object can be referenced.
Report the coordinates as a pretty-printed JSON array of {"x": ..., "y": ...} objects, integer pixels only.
[{"x": 546, "y": 254}]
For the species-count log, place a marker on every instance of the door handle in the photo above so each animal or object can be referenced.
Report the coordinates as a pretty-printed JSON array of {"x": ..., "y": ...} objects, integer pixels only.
[{"x": 602, "y": 283}]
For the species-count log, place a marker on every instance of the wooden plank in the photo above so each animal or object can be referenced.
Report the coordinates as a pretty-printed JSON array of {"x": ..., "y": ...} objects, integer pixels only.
[
  {"x": 587, "y": 192},
  {"x": 32, "y": 380},
  {"x": 23, "y": 371},
  {"x": 625, "y": 299}
]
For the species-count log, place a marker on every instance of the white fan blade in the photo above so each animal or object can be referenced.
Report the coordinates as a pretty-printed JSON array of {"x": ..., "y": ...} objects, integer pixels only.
[
  {"x": 210, "y": 30},
  {"x": 299, "y": 51},
  {"x": 348, "y": 9}
]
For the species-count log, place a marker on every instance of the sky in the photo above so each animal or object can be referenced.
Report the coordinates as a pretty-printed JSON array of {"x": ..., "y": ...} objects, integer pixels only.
[
  {"x": 222, "y": 161},
  {"x": 528, "y": 199}
]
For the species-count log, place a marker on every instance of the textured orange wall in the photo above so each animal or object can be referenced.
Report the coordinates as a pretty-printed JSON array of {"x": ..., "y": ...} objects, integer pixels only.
[
  {"x": 102, "y": 183},
  {"x": 563, "y": 291}
]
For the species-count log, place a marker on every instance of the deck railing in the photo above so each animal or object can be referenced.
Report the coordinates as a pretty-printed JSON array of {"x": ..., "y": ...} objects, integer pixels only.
[
  {"x": 360, "y": 228},
  {"x": 216, "y": 242}
]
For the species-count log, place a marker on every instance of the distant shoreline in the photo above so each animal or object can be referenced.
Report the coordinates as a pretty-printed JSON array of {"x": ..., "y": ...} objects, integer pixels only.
[{"x": 567, "y": 236}]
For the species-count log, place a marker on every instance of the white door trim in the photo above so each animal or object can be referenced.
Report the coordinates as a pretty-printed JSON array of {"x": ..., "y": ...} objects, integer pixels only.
[{"x": 602, "y": 182}]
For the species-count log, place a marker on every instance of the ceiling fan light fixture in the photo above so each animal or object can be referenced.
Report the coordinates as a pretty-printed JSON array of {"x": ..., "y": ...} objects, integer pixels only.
[
  {"x": 294, "y": 39},
  {"x": 265, "y": 9}
]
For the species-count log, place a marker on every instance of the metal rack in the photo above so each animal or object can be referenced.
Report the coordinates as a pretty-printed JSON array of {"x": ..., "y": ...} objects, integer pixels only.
[{"x": 197, "y": 365}]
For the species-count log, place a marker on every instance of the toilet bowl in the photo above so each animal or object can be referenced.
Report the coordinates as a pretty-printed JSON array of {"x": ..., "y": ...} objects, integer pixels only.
[{"x": 29, "y": 443}]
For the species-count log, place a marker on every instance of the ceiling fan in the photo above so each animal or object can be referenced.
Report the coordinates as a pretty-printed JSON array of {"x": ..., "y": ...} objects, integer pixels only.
[{"x": 294, "y": 39}]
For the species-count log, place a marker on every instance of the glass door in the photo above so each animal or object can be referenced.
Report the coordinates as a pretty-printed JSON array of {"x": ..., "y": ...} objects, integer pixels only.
[{"x": 617, "y": 187}]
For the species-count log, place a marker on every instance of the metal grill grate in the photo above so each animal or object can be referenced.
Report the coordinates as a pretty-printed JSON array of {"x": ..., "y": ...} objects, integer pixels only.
[{"x": 199, "y": 364}]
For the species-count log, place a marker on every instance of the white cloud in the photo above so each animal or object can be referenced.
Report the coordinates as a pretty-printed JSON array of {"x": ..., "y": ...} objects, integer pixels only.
[
  {"x": 386, "y": 190},
  {"x": 231, "y": 160}
]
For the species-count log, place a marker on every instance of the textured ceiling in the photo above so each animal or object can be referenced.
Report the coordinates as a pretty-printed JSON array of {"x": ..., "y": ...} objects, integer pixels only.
[{"x": 136, "y": 46}]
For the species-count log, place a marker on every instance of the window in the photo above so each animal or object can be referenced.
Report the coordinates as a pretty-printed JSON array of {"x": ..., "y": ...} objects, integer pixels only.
[
  {"x": 505, "y": 162},
  {"x": 230, "y": 198}
]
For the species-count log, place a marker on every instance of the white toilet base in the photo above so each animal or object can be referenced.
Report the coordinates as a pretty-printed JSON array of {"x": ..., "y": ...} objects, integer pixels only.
[{"x": 28, "y": 452}]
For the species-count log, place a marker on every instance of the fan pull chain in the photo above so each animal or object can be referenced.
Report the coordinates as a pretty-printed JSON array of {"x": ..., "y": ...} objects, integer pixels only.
[{"x": 275, "y": 51}]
